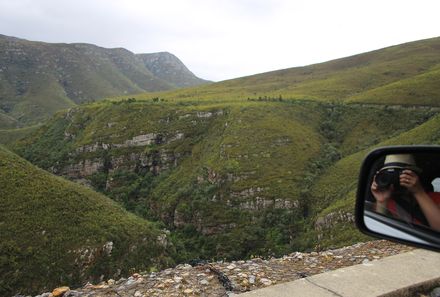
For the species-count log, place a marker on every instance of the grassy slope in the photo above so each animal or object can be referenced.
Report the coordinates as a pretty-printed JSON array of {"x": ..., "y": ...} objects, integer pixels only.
[
  {"x": 42, "y": 99},
  {"x": 420, "y": 89},
  {"x": 9, "y": 136},
  {"x": 47, "y": 223},
  {"x": 387, "y": 74},
  {"x": 7, "y": 121}
]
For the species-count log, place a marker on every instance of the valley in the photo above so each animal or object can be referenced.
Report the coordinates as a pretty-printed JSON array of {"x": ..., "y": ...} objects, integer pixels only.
[{"x": 207, "y": 170}]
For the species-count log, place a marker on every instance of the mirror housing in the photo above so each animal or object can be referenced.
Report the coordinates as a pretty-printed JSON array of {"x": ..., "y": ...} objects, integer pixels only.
[{"x": 405, "y": 215}]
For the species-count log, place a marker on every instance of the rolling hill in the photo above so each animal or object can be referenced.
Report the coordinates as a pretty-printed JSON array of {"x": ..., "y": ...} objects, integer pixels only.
[
  {"x": 37, "y": 79},
  {"x": 57, "y": 232},
  {"x": 404, "y": 74}
]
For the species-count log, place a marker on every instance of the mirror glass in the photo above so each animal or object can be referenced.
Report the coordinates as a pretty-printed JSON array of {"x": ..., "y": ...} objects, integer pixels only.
[{"x": 402, "y": 197}]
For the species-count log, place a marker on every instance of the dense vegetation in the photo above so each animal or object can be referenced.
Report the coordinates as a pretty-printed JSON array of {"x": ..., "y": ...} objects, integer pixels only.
[
  {"x": 210, "y": 169},
  {"x": 57, "y": 232}
]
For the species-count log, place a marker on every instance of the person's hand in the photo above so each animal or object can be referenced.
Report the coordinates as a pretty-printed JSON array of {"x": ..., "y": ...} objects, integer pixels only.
[
  {"x": 411, "y": 181},
  {"x": 381, "y": 195}
]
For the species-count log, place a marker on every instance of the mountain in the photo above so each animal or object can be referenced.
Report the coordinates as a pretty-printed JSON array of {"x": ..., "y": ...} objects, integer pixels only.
[
  {"x": 37, "y": 79},
  {"x": 57, "y": 232}
]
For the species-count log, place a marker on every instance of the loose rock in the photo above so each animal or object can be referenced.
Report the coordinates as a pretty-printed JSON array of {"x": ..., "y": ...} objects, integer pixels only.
[
  {"x": 221, "y": 278},
  {"x": 60, "y": 291}
]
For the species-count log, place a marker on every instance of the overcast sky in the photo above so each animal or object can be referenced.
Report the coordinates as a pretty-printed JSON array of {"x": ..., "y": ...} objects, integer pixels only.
[{"x": 225, "y": 39}]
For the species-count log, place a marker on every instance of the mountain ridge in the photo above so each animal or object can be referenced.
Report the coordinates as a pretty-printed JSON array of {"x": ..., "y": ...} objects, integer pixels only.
[{"x": 177, "y": 73}]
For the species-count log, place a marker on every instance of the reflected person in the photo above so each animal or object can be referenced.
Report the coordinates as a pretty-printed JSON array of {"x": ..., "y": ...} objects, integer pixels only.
[{"x": 399, "y": 193}]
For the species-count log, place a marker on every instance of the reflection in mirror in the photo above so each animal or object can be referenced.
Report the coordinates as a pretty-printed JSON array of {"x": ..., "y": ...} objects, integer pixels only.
[{"x": 402, "y": 199}]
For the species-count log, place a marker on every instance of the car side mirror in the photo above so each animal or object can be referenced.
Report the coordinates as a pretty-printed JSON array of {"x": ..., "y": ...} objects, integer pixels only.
[{"x": 398, "y": 196}]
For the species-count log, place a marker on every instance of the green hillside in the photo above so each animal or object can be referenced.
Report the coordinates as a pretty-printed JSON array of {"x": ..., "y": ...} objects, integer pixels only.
[
  {"x": 55, "y": 232},
  {"x": 421, "y": 89},
  {"x": 208, "y": 169},
  {"x": 7, "y": 121},
  {"x": 402, "y": 74},
  {"x": 37, "y": 79},
  {"x": 8, "y": 136}
]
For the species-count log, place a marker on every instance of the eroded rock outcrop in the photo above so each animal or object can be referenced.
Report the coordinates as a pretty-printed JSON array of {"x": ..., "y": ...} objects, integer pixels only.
[{"x": 330, "y": 220}]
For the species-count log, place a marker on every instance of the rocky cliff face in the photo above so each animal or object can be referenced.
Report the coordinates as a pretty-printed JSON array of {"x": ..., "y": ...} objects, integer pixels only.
[
  {"x": 186, "y": 167},
  {"x": 169, "y": 68},
  {"x": 329, "y": 222}
]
